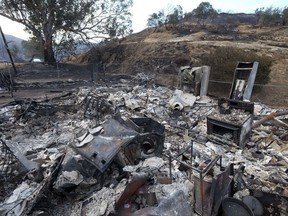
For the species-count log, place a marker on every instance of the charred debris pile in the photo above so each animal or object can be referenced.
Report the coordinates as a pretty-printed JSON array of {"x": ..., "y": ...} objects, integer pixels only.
[{"x": 132, "y": 148}]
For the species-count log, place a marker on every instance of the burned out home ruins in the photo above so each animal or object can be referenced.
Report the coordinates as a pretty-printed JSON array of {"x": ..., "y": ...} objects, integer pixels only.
[{"x": 131, "y": 147}]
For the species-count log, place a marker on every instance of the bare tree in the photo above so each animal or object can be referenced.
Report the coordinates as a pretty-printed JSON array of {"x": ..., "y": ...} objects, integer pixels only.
[{"x": 51, "y": 21}]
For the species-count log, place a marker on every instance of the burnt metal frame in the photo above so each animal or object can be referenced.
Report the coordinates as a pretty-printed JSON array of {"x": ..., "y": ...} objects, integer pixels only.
[
  {"x": 239, "y": 136},
  {"x": 246, "y": 71},
  {"x": 199, "y": 83},
  {"x": 118, "y": 134},
  {"x": 202, "y": 173}
]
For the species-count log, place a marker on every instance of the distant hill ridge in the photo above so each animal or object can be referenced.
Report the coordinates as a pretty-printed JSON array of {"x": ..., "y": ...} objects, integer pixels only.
[
  {"x": 12, "y": 41},
  {"x": 227, "y": 18}
]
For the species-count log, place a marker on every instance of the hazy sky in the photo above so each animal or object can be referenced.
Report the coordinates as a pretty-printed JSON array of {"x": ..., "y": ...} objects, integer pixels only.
[{"x": 143, "y": 8}]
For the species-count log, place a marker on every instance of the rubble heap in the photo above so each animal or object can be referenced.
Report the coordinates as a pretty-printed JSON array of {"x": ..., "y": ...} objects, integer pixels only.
[{"x": 122, "y": 150}]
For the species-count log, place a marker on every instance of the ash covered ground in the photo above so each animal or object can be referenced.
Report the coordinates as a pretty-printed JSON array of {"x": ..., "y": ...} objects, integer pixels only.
[{"x": 44, "y": 172}]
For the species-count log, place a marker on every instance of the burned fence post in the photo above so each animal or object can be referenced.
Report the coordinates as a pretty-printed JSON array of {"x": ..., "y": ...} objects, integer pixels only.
[
  {"x": 58, "y": 71},
  {"x": 8, "y": 50},
  {"x": 7, "y": 81},
  {"x": 94, "y": 70}
]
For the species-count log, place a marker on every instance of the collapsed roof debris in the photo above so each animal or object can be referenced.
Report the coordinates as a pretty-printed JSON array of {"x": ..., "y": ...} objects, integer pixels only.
[{"x": 122, "y": 148}]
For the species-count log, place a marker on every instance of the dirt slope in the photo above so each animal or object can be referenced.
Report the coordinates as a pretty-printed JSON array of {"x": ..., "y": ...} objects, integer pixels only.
[{"x": 160, "y": 52}]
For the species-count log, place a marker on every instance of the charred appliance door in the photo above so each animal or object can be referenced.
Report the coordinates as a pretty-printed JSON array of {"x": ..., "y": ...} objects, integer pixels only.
[
  {"x": 148, "y": 143},
  {"x": 104, "y": 147}
]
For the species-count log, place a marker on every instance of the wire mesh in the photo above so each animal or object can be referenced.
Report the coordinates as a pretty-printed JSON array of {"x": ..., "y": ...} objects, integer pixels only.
[
  {"x": 6, "y": 81},
  {"x": 11, "y": 171},
  {"x": 10, "y": 166},
  {"x": 96, "y": 107}
]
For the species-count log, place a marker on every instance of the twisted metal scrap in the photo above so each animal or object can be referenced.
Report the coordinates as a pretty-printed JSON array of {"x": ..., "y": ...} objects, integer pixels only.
[{"x": 96, "y": 107}]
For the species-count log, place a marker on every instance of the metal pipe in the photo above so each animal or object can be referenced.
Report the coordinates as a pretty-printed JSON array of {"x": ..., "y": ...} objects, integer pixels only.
[
  {"x": 211, "y": 165},
  {"x": 188, "y": 165},
  {"x": 202, "y": 192},
  {"x": 269, "y": 117},
  {"x": 204, "y": 171},
  {"x": 191, "y": 158},
  {"x": 281, "y": 122},
  {"x": 170, "y": 168},
  {"x": 205, "y": 80}
]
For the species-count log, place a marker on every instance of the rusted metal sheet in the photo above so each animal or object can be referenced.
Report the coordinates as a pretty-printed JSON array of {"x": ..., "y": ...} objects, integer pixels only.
[
  {"x": 202, "y": 191},
  {"x": 209, "y": 194},
  {"x": 122, "y": 206},
  {"x": 222, "y": 186}
]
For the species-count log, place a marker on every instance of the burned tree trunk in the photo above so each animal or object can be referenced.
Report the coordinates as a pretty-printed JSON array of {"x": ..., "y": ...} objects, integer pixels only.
[{"x": 48, "y": 51}]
